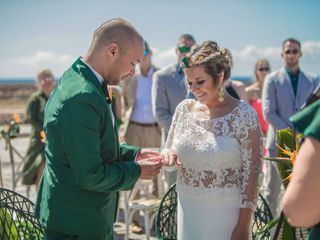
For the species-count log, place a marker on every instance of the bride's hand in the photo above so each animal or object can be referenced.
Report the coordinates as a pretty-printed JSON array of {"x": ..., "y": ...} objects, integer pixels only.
[
  {"x": 170, "y": 158},
  {"x": 240, "y": 233}
]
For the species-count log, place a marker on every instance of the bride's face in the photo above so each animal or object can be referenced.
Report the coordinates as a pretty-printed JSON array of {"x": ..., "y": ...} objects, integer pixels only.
[{"x": 201, "y": 85}]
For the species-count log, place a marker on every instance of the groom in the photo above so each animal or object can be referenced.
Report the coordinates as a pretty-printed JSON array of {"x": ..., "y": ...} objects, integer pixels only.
[{"x": 85, "y": 165}]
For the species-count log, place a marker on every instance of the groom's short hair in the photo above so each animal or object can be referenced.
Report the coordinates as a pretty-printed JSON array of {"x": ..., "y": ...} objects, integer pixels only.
[{"x": 117, "y": 31}]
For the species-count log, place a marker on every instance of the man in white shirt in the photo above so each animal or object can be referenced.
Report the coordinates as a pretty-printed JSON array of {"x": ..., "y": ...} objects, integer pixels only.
[{"x": 140, "y": 127}]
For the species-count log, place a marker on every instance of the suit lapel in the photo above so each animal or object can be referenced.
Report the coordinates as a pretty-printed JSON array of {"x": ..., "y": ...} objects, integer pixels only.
[
  {"x": 81, "y": 68},
  {"x": 288, "y": 83}
]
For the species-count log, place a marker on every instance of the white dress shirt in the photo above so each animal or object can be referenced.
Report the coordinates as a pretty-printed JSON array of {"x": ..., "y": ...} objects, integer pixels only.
[{"x": 142, "y": 112}]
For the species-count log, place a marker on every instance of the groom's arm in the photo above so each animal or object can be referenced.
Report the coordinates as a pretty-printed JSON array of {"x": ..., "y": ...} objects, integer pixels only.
[
  {"x": 128, "y": 153},
  {"x": 82, "y": 147}
]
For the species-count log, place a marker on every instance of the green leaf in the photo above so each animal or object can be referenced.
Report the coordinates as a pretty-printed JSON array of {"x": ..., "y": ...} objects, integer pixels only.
[
  {"x": 288, "y": 231},
  {"x": 285, "y": 139},
  {"x": 267, "y": 227}
]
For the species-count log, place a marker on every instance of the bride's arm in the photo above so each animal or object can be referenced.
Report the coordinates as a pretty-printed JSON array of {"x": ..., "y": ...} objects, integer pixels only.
[
  {"x": 251, "y": 149},
  {"x": 170, "y": 157}
]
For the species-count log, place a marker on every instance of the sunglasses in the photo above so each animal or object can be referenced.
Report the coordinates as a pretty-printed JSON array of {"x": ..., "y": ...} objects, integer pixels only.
[
  {"x": 145, "y": 52},
  {"x": 184, "y": 49},
  {"x": 291, "y": 51},
  {"x": 266, "y": 69}
]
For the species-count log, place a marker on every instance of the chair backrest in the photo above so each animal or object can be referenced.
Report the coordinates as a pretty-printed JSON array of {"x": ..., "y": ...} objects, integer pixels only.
[
  {"x": 261, "y": 216},
  {"x": 17, "y": 220},
  {"x": 166, "y": 223}
]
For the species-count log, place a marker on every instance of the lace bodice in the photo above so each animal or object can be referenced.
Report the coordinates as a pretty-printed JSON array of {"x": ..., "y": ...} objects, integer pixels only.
[{"x": 221, "y": 156}]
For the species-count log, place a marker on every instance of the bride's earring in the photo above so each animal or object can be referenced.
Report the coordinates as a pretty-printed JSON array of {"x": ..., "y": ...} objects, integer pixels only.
[{"x": 221, "y": 94}]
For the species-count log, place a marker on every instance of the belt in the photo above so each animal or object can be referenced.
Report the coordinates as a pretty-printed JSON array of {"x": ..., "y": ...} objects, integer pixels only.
[{"x": 144, "y": 124}]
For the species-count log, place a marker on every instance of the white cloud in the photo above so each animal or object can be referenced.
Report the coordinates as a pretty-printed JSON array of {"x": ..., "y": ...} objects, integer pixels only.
[
  {"x": 163, "y": 58},
  {"x": 244, "y": 60},
  {"x": 27, "y": 66}
]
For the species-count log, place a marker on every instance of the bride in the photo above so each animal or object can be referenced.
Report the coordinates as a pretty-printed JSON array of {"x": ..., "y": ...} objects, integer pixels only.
[{"x": 215, "y": 143}]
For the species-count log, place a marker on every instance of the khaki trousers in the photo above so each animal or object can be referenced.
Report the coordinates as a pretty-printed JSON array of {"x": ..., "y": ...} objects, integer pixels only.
[{"x": 144, "y": 136}]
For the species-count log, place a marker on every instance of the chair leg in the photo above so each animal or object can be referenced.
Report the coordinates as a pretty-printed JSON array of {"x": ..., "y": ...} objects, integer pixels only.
[{"x": 147, "y": 224}]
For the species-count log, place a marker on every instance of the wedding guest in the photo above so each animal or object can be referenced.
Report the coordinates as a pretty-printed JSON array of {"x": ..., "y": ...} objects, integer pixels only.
[
  {"x": 140, "y": 127},
  {"x": 254, "y": 91},
  {"x": 216, "y": 144},
  {"x": 168, "y": 90},
  {"x": 236, "y": 89},
  {"x": 283, "y": 94},
  {"x": 34, "y": 159}
]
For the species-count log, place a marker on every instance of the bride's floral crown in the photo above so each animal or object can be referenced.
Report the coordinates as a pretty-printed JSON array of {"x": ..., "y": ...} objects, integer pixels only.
[{"x": 200, "y": 55}]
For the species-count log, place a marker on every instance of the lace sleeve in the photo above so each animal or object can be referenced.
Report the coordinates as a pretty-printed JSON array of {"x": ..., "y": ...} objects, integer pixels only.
[
  {"x": 169, "y": 142},
  {"x": 251, "y": 150}
]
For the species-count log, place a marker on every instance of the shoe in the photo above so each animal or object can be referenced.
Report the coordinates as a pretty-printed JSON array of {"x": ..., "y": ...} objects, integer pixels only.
[{"x": 135, "y": 228}]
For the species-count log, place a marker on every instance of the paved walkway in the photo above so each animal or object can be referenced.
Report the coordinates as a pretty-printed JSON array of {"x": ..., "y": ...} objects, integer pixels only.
[{"x": 21, "y": 144}]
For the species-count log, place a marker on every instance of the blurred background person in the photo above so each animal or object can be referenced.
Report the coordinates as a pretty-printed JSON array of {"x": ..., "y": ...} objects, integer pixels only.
[
  {"x": 140, "y": 127},
  {"x": 34, "y": 158},
  {"x": 236, "y": 89},
  {"x": 168, "y": 90},
  {"x": 284, "y": 92},
  {"x": 254, "y": 91}
]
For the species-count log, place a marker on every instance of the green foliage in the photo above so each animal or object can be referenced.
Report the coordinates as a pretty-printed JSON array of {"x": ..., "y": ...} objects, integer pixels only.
[
  {"x": 16, "y": 227},
  {"x": 7, "y": 226},
  {"x": 287, "y": 142}
]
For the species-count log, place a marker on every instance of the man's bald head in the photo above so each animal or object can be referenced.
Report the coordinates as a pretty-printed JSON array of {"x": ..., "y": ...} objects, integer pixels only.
[
  {"x": 117, "y": 31},
  {"x": 115, "y": 50}
]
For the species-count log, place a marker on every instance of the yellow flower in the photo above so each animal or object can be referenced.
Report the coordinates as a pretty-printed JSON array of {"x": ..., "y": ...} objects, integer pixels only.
[{"x": 42, "y": 136}]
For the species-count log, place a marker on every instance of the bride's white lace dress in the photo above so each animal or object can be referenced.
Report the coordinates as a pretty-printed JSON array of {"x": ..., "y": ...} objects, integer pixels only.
[{"x": 220, "y": 171}]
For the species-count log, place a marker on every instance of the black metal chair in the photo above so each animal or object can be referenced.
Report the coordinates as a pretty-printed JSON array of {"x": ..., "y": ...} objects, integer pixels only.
[
  {"x": 17, "y": 220},
  {"x": 261, "y": 216},
  {"x": 166, "y": 222}
]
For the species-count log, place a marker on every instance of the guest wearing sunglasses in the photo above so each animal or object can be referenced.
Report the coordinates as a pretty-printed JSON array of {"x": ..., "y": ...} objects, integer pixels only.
[
  {"x": 254, "y": 91},
  {"x": 168, "y": 90},
  {"x": 283, "y": 94}
]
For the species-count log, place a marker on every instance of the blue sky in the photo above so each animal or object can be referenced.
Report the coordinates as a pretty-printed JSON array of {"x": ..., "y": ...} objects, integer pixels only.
[{"x": 37, "y": 34}]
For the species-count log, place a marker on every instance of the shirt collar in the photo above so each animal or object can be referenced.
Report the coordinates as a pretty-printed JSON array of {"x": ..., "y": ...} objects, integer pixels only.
[
  {"x": 100, "y": 78},
  {"x": 292, "y": 74},
  {"x": 150, "y": 72}
]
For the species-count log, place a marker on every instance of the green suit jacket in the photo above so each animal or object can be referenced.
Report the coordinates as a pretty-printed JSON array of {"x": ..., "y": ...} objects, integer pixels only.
[{"x": 85, "y": 165}]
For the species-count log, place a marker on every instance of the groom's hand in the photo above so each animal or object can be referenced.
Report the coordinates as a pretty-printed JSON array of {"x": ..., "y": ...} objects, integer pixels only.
[
  {"x": 147, "y": 153},
  {"x": 150, "y": 167},
  {"x": 149, "y": 162}
]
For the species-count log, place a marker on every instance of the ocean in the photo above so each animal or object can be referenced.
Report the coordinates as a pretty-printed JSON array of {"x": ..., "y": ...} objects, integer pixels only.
[{"x": 17, "y": 80}]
